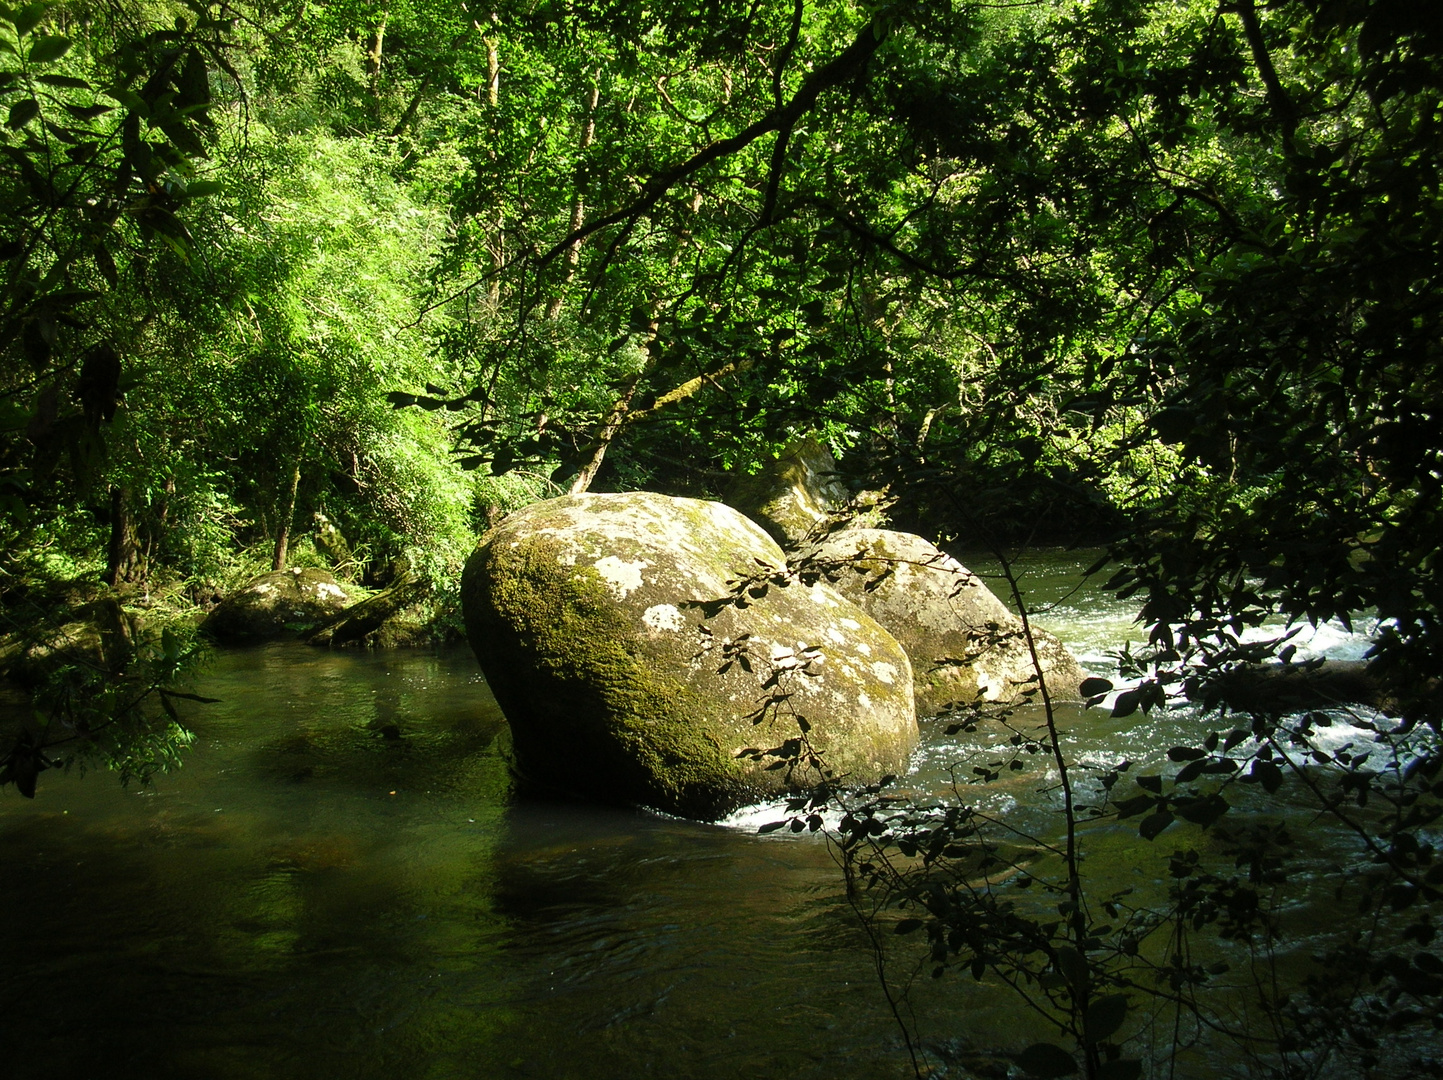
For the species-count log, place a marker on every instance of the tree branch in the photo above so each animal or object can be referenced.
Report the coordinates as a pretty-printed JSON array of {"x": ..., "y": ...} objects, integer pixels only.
[
  {"x": 846, "y": 64},
  {"x": 1278, "y": 100}
]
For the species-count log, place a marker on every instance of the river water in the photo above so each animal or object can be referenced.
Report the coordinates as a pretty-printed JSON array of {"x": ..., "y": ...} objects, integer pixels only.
[{"x": 342, "y": 882}]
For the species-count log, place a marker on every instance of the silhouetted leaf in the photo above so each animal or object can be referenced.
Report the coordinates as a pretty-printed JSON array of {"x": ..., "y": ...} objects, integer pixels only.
[
  {"x": 1045, "y": 1061},
  {"x": 1120, "y": 1069},
  {"x": 1150, "y": 827},
  {"x": 1104, "y": 1016},
  {"x": 48, "y": 48},
  {"x": 21, "y": 113}
]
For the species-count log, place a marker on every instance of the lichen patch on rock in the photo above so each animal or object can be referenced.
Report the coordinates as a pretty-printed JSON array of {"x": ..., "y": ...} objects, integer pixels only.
[
  {"x": 621, "y": 577},
  {"x": 664, "y": 617}
]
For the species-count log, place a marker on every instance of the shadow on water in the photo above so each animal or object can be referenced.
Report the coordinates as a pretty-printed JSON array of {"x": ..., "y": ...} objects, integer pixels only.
[{"x": 341, "y": 882}]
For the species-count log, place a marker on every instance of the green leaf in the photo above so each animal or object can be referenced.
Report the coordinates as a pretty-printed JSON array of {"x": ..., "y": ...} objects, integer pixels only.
[
  {"x": 184, "y": 139},
  {"x": 88, "y": 112},
  {"x": 48, "y": 48},
  {"x": 1046, "y": 1060},
  {"x": 1094, "y": 687},
  {"x": 1189, "y": 772},
  {"x": 1104, "y": 1016},
  {"x": 1203, "y": 811},
  {"x": 28, "y": 18},
  {"x": 130, "y": 99},
  {"x": 194, "y": 82},
  {"x": 63, "y": 82},
  {"x": 1267, "y": 774},
  {"x": 1135, "y": 805},
  {"x": 106, "y": 265},
  {"x": 1072, "y": 965},
  {"x": 21, "y": 113},
  {"x": 13, "y": 417}
]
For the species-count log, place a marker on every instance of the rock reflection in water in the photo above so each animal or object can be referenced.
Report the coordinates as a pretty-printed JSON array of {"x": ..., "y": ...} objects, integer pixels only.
[{"x": 311, "y": 896}]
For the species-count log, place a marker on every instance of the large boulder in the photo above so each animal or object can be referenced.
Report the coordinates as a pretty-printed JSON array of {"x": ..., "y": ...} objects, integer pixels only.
[
  {"x": 277, "y": 605},
  {"x": 791, "y": 496},
  {"x": 633, "y": 670},
  {"x": 966, "y": 646}
]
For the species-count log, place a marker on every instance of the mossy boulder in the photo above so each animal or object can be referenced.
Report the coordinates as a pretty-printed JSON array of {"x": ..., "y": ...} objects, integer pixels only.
[
  {"x": 965, "y": 645},
  {"x": 274, "y": 606},
  {"x": 791, "y": 496},
  {"x": 100, "y": 635},
  {"x": 600, "y": 624}
]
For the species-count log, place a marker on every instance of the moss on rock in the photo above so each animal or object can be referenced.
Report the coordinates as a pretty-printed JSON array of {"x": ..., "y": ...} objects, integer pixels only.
[
  {"x": 277, "y": 605},
  {"x": 590, "y": 616},
  {"x": 965, "y": 645}
]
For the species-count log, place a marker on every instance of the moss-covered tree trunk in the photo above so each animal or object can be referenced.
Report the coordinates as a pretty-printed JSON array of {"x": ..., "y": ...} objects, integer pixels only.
[{"x": 283, "y": 524}]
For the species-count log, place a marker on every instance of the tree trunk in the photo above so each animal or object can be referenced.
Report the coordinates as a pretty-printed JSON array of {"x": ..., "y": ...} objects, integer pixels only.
[
  {"x": 493, "y": 101},
  {"x": 358, "y": 620},
  {"x": 578, "y": 208},
  {"x": 412, "y": 106},
  {"x": 621, "y": 413},
  {"x": 283, "y": 525},
  {"x": 123, "y": 558},
  {"x": 374, "y": 54},
  {"x": 615, "y": 421}
]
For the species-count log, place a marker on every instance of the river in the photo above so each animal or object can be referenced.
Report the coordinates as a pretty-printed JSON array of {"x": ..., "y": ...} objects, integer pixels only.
[{"x": 341, "y": 882}]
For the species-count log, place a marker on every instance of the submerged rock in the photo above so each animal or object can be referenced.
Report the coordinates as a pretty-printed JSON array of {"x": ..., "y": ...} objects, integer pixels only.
[
  {"x": 965, "y": 645},
  {"x": 631, "y": 669},
  {"x": 277, "y": 605},
  {"x": 1282, "y": 688}
]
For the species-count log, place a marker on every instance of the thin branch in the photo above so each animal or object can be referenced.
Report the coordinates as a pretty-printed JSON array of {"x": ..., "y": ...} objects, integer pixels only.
[{"x": 849, "y": 62}]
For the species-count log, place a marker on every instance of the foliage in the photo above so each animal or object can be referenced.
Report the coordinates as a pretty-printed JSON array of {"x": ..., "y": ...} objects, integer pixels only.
[
  {"x": 194, "y": 308},
  {"x": 100, "y": 149},
  {"x": 105, "y": 695}
]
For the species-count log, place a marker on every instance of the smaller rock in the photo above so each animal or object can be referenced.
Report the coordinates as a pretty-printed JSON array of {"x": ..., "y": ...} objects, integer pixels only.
[
  {"x": 274, "y": 606},
  {"x": 101, "y": 635},
  {"x": 374, "y": 621},
  {"x": 793, "y": 495},
  {"x": 965, "y": 645}
]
